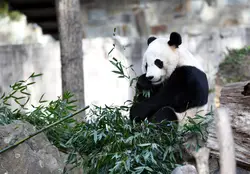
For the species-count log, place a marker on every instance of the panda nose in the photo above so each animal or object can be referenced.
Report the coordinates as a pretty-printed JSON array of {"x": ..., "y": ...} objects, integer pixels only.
[{"x": 150, "y": 77}]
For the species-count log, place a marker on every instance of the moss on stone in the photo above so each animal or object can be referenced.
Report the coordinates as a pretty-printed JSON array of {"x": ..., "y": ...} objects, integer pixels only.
[
  {"x": 4, "y": 11},
  {"x": 236, "y": 66}
]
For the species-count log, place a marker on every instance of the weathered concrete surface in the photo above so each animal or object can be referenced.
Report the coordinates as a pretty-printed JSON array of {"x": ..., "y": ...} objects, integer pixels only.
[{"x": 36, "y": 155}]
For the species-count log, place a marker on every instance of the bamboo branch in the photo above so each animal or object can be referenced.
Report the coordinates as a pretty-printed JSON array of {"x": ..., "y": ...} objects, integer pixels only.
[{"x": 41, "y": 130}]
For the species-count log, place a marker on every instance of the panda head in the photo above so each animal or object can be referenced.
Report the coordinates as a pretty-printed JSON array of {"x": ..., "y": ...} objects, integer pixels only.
[{"x": 161, "y": 58}]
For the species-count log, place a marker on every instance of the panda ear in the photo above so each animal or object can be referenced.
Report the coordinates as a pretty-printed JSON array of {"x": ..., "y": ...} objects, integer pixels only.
[
  {"x": 175, "y": 39},
  {"x": 151, "y": 39}
]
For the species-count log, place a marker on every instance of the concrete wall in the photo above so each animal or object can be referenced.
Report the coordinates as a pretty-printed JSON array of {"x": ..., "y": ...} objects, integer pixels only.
[
  {"x": 101, "y": 85},
  {"x": 18, "y": 62}
]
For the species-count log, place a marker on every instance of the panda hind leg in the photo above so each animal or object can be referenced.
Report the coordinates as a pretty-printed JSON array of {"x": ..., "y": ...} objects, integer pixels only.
[{"x": 164, "y": 114}]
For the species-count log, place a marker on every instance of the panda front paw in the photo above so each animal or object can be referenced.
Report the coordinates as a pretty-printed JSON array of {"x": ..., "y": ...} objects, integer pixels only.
[
  {"x": 164, "y": 114},
  {"x": 143, "y": 83},
  {"x": 134, "y": 113},
  {"x": 138, "y": 112}
]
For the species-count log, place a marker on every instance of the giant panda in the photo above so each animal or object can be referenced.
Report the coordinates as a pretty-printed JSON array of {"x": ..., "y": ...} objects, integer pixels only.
[{"x": 177, "y": 82}]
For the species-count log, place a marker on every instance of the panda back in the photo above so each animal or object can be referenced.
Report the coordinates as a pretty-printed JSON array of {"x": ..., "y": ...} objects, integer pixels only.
[
  {"x": 188, "y": 59},
  {"x": 186, "y": 88}
]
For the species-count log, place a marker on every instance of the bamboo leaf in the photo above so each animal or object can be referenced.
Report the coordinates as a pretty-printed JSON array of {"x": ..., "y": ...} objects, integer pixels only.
[
  {"x": 111, "y": 51},
  {"x": 117, "y": 72},
  {"x": 31, "y": 83}
]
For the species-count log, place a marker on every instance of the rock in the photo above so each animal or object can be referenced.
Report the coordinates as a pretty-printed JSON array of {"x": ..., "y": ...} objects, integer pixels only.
[
  {"x": 214, "y": 164},
  {"x": 238, "y": 171},
  {"x": 187, "y": 169},
  {"x": 235, "y": 97},
  {"x": 34, "y": 156},
  {"x": 238, "y": 108}
]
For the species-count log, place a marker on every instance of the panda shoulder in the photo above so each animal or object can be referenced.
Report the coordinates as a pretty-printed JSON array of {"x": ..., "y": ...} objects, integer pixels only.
[{"x": 188, "y": 59}]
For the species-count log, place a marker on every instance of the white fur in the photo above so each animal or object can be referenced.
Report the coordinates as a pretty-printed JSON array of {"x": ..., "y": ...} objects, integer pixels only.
[
  {"x": 172, "y": 58},
  {"x": 202, "y": 111},
  {"x": 187, "y": 58}
]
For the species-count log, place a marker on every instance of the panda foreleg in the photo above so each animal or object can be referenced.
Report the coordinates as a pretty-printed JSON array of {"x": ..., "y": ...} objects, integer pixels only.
[
  {"x": 164, "y": 114},
  {"x": 142, "y": 84},
  {"x": 141, "y": 111}
]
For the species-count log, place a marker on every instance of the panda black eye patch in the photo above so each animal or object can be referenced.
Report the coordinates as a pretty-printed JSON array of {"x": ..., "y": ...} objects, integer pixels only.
[{"x": 159, "y": 63}]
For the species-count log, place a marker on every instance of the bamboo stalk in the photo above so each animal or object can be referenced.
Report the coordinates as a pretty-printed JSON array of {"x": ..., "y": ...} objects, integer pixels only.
[
  {"x": 41, "y": 130},
  {"x": 226, "y": 142}
]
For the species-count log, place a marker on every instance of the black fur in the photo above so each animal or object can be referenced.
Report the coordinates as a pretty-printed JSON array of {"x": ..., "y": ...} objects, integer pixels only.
[
  {"x": 151, "y": 39},
  {"x": 146, "y": 66},
  {"x": 186, "y": 88},
  {"x": 175, "y": 39},
  {"x": 164, "y": 114},
  {"x": 158, "y": 63}
]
